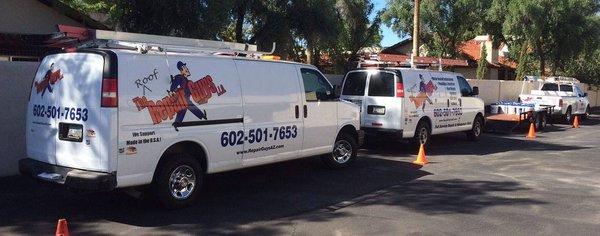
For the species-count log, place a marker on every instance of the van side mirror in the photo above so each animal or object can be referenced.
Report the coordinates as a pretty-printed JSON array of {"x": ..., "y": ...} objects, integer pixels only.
[
  {"x": 337, "y": 91},
  {"x": 475, "y": 91}
]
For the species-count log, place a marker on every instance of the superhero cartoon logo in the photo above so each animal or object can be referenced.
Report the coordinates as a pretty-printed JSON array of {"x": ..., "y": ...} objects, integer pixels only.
[
  {"x": 50, "y": 78},
  {"x": 183, "y": 95},
  {"x": 426, "y": 90}
]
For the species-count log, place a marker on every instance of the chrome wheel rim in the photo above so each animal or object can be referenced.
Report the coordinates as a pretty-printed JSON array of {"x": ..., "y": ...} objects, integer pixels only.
[
  {"x": 182, "y": 182},
  {"x": 423, "y": 135},
  {"x": 477, "y": 129},
  {"x": 342, "y": 151}
]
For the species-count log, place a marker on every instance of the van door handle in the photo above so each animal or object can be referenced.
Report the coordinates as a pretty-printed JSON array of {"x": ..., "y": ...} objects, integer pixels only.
[
  {"x": 297, "y": 112},
  {"x": 448, "y": 102},
  {"x": 305, "y": 112}
]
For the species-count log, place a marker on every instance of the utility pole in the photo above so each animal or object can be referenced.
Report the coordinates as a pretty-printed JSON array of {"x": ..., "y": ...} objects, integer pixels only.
[{"x": 415, "y": 34}]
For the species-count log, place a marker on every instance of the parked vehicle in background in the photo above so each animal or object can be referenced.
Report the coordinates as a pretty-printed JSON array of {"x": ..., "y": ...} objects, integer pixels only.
[
  {"x": 111, "y": 117},
  {"x": 562, "y": 92},
  {"x": 413, "y": 103}
]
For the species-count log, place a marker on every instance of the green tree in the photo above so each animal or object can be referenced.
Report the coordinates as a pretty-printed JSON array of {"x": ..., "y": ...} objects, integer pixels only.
[
  {"x": 555, "y": 30},
  {"x": 316, "y": 23},
  {"x": 482, "y": 64},
  {"x": 357, "y": 32},
  {"x": 445, "y": 24}
]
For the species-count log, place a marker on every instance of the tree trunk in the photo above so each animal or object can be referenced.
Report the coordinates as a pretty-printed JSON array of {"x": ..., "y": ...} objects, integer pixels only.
[{"x": 239, "y": 23}]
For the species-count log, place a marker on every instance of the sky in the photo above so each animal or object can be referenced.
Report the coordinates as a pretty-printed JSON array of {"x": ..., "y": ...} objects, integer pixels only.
[{"x": 389, "y": 37}]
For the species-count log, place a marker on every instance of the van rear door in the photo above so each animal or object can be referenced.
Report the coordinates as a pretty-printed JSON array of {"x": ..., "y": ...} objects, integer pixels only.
[
  {"x": 65, "y": 124},
  {"x": 382, "y": 107},
  {"x": 353, "y": 88}
]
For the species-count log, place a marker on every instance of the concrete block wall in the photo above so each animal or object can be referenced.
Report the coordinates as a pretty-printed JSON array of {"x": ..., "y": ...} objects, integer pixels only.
[{"x": 15, "y": 81}]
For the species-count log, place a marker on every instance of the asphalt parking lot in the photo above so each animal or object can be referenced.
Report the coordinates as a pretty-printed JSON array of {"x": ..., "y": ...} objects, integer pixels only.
[{"x": 502, "y": 185}]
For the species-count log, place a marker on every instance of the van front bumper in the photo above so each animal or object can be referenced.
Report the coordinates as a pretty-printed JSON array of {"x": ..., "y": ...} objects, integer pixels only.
[{"x": 72, "y": 178}]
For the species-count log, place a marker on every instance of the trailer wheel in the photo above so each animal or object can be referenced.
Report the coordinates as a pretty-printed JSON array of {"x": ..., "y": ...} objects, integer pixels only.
[{"x": 542, "y": 121}]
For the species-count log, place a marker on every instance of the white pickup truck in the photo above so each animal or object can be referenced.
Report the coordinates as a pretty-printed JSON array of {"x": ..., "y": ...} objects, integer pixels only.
[{"x": 567, "y": 97}]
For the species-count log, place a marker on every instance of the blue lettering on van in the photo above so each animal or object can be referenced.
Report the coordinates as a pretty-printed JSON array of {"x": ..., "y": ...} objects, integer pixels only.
[
  {"x": 234, "y": 138},
  {"x": 67, "y": 113}
]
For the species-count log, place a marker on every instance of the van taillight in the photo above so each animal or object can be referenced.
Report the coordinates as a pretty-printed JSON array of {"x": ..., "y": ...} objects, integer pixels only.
[
  {"x": 109, "y": 92},
  {"x": 560, "y": 102},
  {"x": 399, "y": 90}
]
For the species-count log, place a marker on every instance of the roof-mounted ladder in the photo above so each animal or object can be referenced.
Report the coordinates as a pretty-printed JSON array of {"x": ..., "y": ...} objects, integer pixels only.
[{"x": 82, "y": 37}]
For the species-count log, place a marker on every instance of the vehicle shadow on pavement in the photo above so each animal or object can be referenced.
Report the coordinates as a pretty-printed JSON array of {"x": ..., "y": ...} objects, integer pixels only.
[
  {"x": 452, "y": 196},
  {"x": 228, "y": 200},
  {"x": 456, "y": 144}
]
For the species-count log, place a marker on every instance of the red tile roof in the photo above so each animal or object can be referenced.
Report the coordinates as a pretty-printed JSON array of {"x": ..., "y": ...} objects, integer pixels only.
[{"x": 472, "y": 50}]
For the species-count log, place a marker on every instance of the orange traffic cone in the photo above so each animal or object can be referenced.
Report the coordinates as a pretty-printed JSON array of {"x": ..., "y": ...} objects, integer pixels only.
[
  {"x": 531, "y": 134},
  {"x": 421, "y": 158},
  {"x": 61, "y": 228},
  {"x": 576, "y": 122}
]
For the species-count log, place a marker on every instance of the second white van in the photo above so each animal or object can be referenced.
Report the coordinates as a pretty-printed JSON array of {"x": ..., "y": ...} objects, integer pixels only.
[{"x": 413, "y": 103}]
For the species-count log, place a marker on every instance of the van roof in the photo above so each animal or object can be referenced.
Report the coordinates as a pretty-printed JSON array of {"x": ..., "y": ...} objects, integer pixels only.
[
  {"x": 398, "y": 69},
  {"x": 202, "y": 55}
]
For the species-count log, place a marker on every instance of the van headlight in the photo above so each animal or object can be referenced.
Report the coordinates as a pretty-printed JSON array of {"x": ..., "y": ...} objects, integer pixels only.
[{"x": 376, "y": 110}]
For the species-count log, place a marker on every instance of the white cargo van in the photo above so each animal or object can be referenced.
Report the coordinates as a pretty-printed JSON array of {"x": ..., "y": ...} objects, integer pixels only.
[
  {"x": 104, "y": 118},
  {"x": 413, "y": 103}
]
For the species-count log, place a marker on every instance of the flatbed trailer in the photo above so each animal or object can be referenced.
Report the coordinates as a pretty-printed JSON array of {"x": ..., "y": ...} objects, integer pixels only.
[{"x": 538, "y": 115}]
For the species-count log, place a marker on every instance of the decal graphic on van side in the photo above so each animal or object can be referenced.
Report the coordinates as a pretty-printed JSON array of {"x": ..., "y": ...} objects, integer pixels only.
[
  {"x": 424, "y": 93},
  {"x": 179, "y": 98},
  {"x": 50, "y": 78}
]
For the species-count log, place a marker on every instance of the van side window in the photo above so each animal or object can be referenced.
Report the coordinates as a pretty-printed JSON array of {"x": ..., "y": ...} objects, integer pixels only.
[
  {"x": 354, "y": 85},
  {"x": 316, "y": 86},
  {"x": 382, "y": 84},
  {"x": 465, "y": 88}
]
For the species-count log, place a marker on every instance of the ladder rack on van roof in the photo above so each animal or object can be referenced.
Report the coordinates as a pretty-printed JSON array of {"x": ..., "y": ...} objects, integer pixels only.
[
  {"x": 391, "y": 60},
  {"x": 77, "y": 37}
]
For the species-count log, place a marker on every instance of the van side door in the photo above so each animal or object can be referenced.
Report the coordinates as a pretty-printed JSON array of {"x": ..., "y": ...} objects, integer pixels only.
[
  {"x": 319, "y": 112},
  {"x": 272, "y": 118}
]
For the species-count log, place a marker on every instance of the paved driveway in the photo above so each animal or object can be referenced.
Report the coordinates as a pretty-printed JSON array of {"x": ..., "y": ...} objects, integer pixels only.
[{"x": 502, "y": 185}]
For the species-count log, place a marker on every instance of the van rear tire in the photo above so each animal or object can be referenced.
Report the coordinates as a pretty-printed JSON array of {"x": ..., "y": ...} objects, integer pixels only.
[
  {"x": 422, "y": 134},
  {"x": 178, "y": 181},
  {"x": 343, "y": 153}
]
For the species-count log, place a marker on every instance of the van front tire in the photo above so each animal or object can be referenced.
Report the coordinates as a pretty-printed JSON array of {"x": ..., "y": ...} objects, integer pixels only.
[
  {"x": 343, "y": 153},
  {"x": 476, "y": 130},
  {"x": 178, "y": 181}
]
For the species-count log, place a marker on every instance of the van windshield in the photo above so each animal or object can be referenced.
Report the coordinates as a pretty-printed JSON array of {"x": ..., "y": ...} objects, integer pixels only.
[
  {"x": 381, "y": 84},
  {"x": 355, "y": 84}
]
